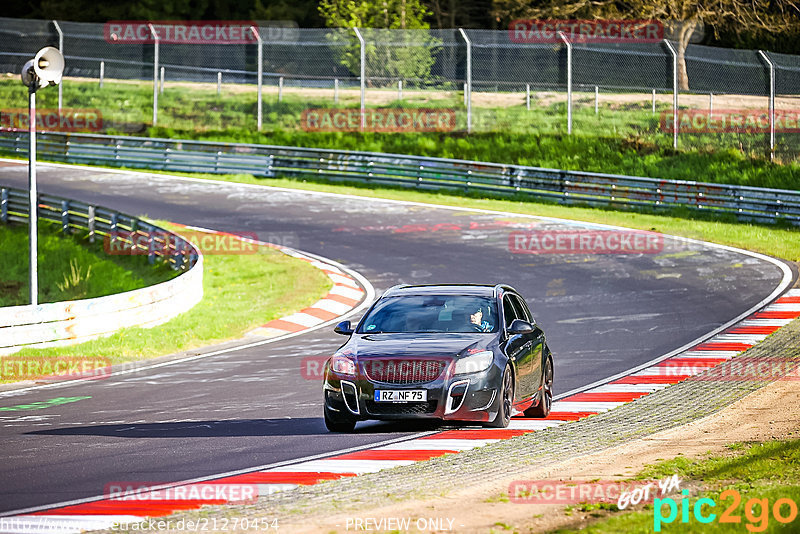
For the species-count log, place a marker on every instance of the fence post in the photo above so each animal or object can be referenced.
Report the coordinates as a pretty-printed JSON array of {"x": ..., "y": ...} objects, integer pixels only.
[
  {"x": 161, "y": 88},
  {"x": 654, "y": 101},
  {"x": 569, "y": 81},
  {"x": 468, "y": 92},
  {"x": 771, "y": 66},
  {"x": 362, "y": 74},
  {"x": 60, "y": 49},
  {"x": 219, "y": 83},
  {"x": 528, "y": 96},
  {"x": 155, "y": 72},
  {"x": 596, "y": 98},
  {"x": 674, "y": 93},
  {"x": 280, "y": 89},
  {"x": 710, "y": 104},
  {"x": 336, "y": 90},
  {"x": 260, "y": 74},
  {"x": 102, "y": 72},
  {"x": 399, "y": 89}
]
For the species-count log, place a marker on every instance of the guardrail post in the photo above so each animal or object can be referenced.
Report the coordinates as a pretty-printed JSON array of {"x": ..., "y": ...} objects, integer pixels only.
[
  {"x": 113, "y": 229},
  {"x": 60, "y": 49},
  {"x": 771, "y": 103},
  {"x": 151, "y": 254},
  {"x": 674, "y": 93},
  {"x": 65, "y": 216},
  {"x": 155, "y": 72},
  {"x": 468, "y": 90},
  {"x": 90, "y": 218},
  {"x": 260, "y": 74},
  {"x": 569, "y": 81},
  {"x": 362, "y": 77},
  {"x": 4, "y": 205}
]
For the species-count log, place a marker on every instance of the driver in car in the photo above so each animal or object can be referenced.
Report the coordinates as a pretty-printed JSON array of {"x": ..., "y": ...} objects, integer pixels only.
[{"x": 477, "y": 320}]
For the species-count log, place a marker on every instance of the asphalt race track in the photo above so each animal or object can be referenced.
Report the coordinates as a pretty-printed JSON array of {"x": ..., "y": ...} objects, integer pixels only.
[{"x": 603, "y": 314}]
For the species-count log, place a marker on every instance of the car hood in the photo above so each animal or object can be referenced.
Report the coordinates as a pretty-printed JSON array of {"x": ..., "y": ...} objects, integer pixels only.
[{"x": 417, "y": 345}]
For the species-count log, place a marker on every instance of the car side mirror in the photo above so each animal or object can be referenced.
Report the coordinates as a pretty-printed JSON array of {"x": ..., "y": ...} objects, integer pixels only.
[
  {"x": 343, "y": 328},
  {"x": 518, "y": 326}
]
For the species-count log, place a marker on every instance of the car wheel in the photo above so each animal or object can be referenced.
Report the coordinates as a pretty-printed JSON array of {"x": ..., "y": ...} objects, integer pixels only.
[
  {"x": 506, "y": 401},
  {"x": 542, "y": 409},
  {"x": 335, "y": 422}
]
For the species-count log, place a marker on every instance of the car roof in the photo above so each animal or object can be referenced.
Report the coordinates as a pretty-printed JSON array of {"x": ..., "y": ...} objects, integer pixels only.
[{"x": 482, "y": 290}]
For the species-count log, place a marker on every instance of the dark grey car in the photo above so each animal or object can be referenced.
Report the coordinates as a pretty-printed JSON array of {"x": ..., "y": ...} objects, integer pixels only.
[{"x": 449, "y": 352}]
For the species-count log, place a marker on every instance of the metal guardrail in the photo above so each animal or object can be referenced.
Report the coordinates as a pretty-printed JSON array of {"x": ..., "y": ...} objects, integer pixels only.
[
  {"x": 127, "y": 234},
  {"x": 565, "y": 187},
  {"x": 61, "y": 323}
]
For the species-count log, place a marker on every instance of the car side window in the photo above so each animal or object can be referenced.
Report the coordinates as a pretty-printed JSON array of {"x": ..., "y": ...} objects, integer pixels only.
[
  {"x": 522, "y": 309},
  {"x": 509, "y": 311}
]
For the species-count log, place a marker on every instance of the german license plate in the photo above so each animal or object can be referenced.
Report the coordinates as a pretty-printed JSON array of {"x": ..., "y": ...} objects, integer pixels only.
[{"x": 401, "y": 395}]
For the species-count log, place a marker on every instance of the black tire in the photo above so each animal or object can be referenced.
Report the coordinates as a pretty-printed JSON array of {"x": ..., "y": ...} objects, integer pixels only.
[
  {"x": 542, "y": 409},
  {"x": 335, "y": 422},
  {"x": 503, "y": 417}
]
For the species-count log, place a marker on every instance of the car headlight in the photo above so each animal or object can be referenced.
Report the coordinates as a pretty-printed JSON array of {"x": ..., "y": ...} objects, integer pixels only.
[
  {"x": 474, "y": 363},
  {"x": 343, "y": 366}
]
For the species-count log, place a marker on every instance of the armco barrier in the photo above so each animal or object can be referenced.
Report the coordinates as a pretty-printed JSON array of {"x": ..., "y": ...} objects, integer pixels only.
[
  {"x": 62, "y": 323},
  {"x": 566, "y": 187}
]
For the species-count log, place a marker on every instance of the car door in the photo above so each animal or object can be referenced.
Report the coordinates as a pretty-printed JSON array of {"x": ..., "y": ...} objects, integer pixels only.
[
  {"x": 517, "y": 348},
  {"x": 537, "y": 342}
]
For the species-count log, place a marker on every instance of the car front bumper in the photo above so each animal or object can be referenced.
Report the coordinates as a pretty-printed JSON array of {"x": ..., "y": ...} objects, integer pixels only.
[{"x": 468, "y": 397}]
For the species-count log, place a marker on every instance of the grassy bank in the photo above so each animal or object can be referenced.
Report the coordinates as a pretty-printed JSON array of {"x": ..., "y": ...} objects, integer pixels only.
[
  {"x": 623, "y": 138},
  {"x": 746, "y": 484},
  {"x": 240, "y": 292},
  {"x": 70, "y": 268}
]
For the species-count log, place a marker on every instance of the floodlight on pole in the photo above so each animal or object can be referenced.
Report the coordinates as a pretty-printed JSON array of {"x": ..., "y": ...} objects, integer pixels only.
[{"x": 45, "y": 69}]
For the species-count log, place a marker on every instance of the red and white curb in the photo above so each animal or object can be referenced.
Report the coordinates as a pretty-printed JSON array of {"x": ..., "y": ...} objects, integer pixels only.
[
  {"x": 345, "y": 295},
  {"x": 106, "y": 513}
]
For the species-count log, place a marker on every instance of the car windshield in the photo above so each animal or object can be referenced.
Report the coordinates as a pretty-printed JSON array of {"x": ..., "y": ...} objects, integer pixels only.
[{"x": 431, "y": 313}]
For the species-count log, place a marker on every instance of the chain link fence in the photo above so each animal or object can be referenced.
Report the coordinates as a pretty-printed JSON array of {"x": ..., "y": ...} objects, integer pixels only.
[{"x": 472, "y": 81}]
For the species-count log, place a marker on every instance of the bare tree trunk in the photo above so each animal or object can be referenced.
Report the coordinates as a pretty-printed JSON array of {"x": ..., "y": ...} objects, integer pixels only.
[{"x": 684, "y": 35}]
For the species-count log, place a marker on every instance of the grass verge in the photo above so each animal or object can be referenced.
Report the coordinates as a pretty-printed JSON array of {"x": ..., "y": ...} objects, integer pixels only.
[
  {"x": 70, "y": 268},
  {"x": 240, "y": 293},
  {"x": 622, "y": 138},
  {"x": 756, "y": 488}
]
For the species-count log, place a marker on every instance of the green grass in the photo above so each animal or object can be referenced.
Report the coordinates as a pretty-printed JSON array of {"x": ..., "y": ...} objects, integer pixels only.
[
  {"x": 624, "y": 140},
  {"x": 768, "y": 471},
  {"x": 70, "y": 268},
  {"x": 240, "y": 293}
]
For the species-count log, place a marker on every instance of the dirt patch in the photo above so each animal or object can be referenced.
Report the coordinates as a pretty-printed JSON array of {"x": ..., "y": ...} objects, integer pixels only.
[{"x": 760, "y": 416}]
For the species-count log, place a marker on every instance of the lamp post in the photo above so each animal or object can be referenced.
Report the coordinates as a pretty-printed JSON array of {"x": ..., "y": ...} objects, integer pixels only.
[{"x": 44, "y": 69}]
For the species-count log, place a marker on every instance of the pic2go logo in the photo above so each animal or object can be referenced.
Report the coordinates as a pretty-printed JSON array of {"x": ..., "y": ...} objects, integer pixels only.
[{"x": 756, "y": 511}]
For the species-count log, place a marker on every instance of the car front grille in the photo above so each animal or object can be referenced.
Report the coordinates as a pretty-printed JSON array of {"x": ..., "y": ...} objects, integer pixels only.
[
  {"x": 403, "y": 371},
  {"x": 398, "y": 408}
]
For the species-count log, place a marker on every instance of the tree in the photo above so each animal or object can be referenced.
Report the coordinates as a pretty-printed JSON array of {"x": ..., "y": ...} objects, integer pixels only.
[
  {"x": 389, "y": 55},
  {"x": 682, "y": 17}
]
